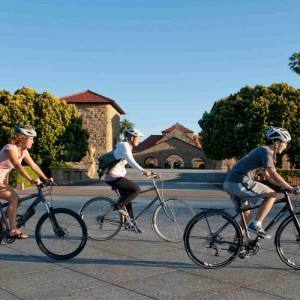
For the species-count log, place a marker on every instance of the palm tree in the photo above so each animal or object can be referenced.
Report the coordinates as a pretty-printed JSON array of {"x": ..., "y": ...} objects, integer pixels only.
[
  {"x": 295, "y": 63},
  {"x": 125, "y": 124}
]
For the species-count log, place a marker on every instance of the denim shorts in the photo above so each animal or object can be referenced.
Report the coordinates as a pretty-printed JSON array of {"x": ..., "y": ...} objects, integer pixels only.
[{"x": 249, "y": 192}]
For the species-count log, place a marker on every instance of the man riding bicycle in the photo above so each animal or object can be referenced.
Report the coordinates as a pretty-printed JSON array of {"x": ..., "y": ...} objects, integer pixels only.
[{"x": 240, "y": 182}]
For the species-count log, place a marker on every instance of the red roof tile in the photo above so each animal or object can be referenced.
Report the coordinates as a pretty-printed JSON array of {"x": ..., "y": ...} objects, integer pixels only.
[
  {"x": 91, "y": 97},
  {"x": 178, "y": 126},
  {"x": 148, "y": 143}
]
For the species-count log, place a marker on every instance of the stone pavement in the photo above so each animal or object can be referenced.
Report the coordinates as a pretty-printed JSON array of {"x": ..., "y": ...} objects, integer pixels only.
[{"x": 139, "y": 266}]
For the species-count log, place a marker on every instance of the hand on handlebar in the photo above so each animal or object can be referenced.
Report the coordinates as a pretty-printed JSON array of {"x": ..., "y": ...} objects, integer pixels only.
[
  {"x": 296, "y": 190},
  {"x": 147, "y": 173}
]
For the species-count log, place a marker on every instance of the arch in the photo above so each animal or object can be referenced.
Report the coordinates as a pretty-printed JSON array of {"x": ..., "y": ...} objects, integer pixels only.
[
  {"x": 198, "y": 163},
  {"x": 174, "y": 161}
]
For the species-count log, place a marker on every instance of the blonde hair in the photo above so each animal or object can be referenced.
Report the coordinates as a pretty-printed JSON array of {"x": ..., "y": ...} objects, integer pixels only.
[{"x": 18, "y": 140}]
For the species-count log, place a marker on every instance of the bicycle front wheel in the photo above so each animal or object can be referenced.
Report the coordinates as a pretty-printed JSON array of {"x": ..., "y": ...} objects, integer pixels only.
[
  {"x": 170, "y": 218},
  {"x": 287, "y": 242},
  {"x": 212, "y": 239},
  {"x": 65, "y": 242},
  {"x": 102, "y": 221}
]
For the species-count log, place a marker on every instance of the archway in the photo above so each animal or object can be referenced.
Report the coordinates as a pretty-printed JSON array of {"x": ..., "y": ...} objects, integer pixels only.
[
  {"x": 174, "y": 162},
  {"x": 198, "y": 163}
]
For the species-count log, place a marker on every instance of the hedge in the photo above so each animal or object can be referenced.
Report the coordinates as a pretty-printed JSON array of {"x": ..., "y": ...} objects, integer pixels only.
[{"x": 15, "y": 177}]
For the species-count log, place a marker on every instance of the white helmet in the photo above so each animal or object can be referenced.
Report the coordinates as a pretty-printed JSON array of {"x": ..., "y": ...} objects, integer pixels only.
[
  {"x": 134, "y": 132},
  {"x": 26, "y": 130},
  {"x": 277, "y": 133}
]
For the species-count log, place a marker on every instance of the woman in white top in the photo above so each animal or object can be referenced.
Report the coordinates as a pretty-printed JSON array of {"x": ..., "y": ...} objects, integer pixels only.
[
  {"x": 115, "y": 176},
  {"x": 11, "y": 156}
]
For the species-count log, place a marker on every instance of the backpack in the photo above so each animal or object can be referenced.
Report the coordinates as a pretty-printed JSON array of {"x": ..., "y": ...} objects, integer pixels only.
[{"x": 106, "y": 162}]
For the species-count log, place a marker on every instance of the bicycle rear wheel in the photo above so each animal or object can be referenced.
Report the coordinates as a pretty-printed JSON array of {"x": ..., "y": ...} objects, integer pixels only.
[
  {"x": 287, "y": 242},
  {"x": 209, "y": 235},
  {"x": 102, "y": 221},
  {"x": 66, "y": 242},
  {"x": 170, "y": 218}
]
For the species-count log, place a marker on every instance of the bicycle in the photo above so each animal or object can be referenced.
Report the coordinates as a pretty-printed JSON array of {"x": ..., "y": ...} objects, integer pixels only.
[
  {"x": 60, "y": 233},
  {"x": 213, "y": 238},
  {"x": 168, "y": 220}
]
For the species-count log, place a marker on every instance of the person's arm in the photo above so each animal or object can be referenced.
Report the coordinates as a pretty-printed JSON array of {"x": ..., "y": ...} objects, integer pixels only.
[
  {"x": 29, "y": 161},
  {"x": 131, "y": 161},
  {"x": 273, "y": 177},
  {"x": 13, "y": 157}
]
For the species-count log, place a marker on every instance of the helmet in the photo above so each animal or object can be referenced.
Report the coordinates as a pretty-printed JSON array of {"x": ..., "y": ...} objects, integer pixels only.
[
  {"x": 26, "y": 130},
  {"x": 277, "y": 133},
  {"x": 134, "y": 132}
]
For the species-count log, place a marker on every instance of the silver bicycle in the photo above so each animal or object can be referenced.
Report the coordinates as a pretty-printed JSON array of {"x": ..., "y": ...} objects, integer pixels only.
[{"x": 168, "y": 220}]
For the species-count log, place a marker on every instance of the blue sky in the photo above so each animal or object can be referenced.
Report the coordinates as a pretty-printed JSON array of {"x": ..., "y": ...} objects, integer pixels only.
[{"x": 162, "y": 61}]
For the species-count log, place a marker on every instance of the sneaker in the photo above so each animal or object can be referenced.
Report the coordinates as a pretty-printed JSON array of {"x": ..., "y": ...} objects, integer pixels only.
[
  {"x": 122, "y": 211},
  {"x": 259, "y": 231}
]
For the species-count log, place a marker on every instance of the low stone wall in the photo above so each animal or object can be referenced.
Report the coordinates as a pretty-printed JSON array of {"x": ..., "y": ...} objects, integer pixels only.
[{"x": 63, "y": 176}]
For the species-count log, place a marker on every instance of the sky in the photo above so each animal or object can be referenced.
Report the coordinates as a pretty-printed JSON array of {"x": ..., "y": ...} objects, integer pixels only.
[{"x": 162, "y": 61}]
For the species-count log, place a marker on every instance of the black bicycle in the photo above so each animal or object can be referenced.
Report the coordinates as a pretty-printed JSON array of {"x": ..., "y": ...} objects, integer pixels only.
[
  {"x": 213, "y": 238},
  {"x": 168, "y": 219},
  {"x": 60, "y": 233}
]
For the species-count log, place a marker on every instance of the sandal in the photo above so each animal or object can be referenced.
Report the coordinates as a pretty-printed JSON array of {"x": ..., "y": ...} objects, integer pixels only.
[{"x": 19, "y": 236}]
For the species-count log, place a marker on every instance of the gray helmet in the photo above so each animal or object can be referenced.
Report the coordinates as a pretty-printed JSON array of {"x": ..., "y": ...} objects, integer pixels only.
[
  {"x": 277, "y": 133},
  {"x": 26, "y": 130},
  {"x": 134, "y": 132}
]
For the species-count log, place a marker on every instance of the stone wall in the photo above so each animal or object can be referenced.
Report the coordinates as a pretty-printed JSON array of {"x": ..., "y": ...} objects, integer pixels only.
[{"x": 103, "y": 124}]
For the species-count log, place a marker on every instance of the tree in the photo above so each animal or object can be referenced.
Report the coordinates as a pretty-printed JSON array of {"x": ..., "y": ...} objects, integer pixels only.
[
  {"x": 295, "y": 63},
  {"x": 238, "y": 123},
  {"x": 125, "y": 124},
  {"x": 60, "y": 136}
]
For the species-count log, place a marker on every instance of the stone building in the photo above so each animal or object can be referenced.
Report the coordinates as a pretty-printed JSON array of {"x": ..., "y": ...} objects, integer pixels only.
[
  {"x": 175, "y": 148},
  {"x": 101, "y": 118}
]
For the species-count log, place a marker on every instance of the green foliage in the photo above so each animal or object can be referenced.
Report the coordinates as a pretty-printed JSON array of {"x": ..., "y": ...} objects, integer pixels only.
[
  {"x": 60, "y": 136},
  {"x": 61, "y": 165},
  {"x": 125, "y": 124},
  {"x": 295, "y": 63},
  {"x": 15, "y": 177},
  {"x": 237, "y": 124}
]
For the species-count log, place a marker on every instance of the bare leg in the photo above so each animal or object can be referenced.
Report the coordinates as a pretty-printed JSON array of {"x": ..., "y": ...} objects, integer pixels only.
[
  {"x": 265, "y": 207},
  {"x": 8, "y": 193}
]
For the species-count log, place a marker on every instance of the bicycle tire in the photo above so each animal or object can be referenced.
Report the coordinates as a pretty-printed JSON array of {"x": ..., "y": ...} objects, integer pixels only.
[
  {"x": 208, "y": 248},
  {"x": 170, "y": 225},
  {"x": 69, "y": 241},
  {"x": 101, "y": 226},
  {"x": 287, "y": 242}
]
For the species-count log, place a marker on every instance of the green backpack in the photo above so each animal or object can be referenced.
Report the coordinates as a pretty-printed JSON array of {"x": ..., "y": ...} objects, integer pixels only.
[{"x": 106, "y": 162}]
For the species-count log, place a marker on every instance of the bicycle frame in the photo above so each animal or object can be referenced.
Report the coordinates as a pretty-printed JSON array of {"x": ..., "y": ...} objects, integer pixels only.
[
  {"x": 286, "y": 208},
  {"x": 39, "y": 197},
  {"x": 158, "y": 197}
]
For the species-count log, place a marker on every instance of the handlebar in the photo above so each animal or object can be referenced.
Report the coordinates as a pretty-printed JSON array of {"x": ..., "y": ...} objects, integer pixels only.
[
  {"x": 155, "y": 175},
  {"x": 46, "y": 184}
]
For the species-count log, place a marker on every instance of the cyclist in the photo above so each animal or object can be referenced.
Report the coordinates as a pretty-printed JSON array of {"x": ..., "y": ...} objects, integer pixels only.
[
  {"x": 11, "y": 156},
  {"x": 115, "y": 176},
  {"x": 240, "y": 181}
]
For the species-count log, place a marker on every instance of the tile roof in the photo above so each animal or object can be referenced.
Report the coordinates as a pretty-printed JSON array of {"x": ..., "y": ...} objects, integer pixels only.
[
  {"x": 148, "y": 143},
  {"x": 91, "y": 97},
  {"x": 177, "y": 126}
]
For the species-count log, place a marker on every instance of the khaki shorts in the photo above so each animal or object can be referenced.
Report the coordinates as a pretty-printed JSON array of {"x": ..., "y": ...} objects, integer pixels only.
[{"x": 249, "y": 192}]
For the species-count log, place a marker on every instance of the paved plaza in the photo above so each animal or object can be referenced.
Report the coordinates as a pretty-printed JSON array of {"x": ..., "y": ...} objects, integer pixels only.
[{"x": 139, "y": 266}]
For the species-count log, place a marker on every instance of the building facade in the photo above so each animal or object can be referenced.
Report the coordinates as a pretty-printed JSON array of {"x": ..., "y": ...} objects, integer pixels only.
[
  {"x": 177, "y": 147},
  {"x": 101, "y": 118}
]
